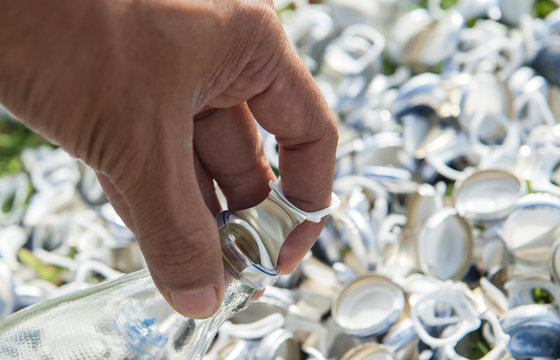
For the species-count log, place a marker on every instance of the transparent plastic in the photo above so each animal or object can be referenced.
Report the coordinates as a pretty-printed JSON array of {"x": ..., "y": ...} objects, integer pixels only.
[{"x": 128, "y": 318}]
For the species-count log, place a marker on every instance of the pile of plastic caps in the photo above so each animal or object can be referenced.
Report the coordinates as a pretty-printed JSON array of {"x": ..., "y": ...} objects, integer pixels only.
[{"x": 446, "y": 243}]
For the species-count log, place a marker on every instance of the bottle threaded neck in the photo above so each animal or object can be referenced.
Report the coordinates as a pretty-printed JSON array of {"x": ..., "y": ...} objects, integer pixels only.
[{"x": 241, "y": 255}]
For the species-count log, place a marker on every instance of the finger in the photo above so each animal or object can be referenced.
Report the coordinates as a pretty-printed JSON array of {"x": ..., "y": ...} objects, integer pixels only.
[
  {"x": 230, "y": 148},
  {"x": 293, "y": 109},
  {"x": 206, "y": 185},
  {"x": 175, "y": 230},
  {"x": 297, "y": 245},
  {"x": 116, "y": 200}
]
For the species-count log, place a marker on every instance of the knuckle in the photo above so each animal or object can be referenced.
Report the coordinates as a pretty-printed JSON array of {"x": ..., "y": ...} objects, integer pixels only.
[
  {"x": 259, "y": 14},
  {"x": 331, "y": 131}
]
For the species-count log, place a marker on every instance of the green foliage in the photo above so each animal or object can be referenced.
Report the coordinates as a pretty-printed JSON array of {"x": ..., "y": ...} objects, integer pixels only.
[
  {"x": 541, "y": 8},
  {"x": 7, "y": 205},
  {"x": 478, "y": 350},
  {"x": 421, "y": 4},
  {"x": 289, "y": 7},
  {"x": 471, "y": 22},
  {"x": 541, "y": 296},
  {"x": 388, "y": 66},
  {"x": 528, "y": 184},
  {"x": 14, "y": 138},
  {"x": 44, "y": 271},
  {"x": 447, "y": 4}
]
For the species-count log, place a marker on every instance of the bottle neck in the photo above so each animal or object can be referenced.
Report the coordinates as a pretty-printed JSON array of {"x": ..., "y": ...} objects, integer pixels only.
[
  {"x": 273, "y": 220},
  {"x": 241, "y": 255},
  {"x": 195, "y": 336}
]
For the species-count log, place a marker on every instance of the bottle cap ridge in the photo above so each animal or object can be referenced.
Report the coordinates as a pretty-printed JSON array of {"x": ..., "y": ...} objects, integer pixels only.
[{"x": 313, "y": 216}]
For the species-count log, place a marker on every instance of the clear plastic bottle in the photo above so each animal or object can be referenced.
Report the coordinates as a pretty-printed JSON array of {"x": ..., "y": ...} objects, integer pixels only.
[{"x": 129, "y": 319}]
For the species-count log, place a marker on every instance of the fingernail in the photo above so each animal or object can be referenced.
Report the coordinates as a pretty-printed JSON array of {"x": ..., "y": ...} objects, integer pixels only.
[{"x": 199, "y": 304}]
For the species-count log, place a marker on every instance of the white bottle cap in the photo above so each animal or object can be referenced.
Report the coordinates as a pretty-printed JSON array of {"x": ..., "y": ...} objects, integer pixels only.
[{"x": 314, "y": 216}]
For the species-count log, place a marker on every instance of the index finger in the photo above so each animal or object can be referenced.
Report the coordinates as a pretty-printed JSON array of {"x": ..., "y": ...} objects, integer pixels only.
[{"x": 294, "y": 110}]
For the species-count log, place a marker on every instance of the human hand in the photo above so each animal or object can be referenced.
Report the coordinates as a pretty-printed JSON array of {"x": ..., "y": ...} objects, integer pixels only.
[{"x": 161, "y": 98}]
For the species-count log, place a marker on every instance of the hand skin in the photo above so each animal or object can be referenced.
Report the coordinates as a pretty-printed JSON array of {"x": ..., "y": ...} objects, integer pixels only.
[{"x": 161, "y": 98}]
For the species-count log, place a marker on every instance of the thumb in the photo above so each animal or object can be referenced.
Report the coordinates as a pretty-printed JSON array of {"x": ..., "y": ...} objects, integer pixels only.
[
  {"x": 186, "y": 266},
  {"x": 175, "y": 230}
]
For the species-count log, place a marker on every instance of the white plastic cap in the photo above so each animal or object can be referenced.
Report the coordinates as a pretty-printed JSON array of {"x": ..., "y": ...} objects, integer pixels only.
[{"x": 314, "y": 216}]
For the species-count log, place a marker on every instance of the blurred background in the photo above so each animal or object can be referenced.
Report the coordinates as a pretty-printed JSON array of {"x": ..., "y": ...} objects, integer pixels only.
[{"x": 426, "y": 92}]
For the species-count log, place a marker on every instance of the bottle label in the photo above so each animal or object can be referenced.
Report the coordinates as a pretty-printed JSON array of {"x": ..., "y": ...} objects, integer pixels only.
[{"x": 139, "y": 331}]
